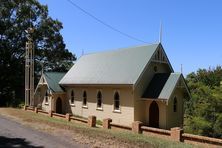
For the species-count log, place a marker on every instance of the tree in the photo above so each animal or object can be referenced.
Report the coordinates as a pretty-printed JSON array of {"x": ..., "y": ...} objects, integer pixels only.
[
  {"x": 203, "y": 112},
  {"x": 15, "y": 17}
]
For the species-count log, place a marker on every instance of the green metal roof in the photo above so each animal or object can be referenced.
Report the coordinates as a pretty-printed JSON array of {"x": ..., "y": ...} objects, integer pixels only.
[
  {"x": 162, "y": 86},
  {"x": 52, "y": 79},
  {"x": 170, "y": 85},
  {"x": 122, "y": 66},
  {"x": 156, "y": 85}
]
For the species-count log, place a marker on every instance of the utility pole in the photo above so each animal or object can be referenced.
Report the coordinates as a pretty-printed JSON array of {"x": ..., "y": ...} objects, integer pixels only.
[{"x": 29, "y": 68}]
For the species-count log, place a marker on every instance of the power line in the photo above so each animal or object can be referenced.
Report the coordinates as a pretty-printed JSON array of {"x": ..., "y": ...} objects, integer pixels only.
[{"x": 104, "y": 23}]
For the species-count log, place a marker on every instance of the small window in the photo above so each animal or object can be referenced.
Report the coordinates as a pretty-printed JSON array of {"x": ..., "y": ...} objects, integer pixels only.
[
  {"x": 47, "y": 96},
  {"x": 99, "y": 99},
  {"x": 84, "y": 98},
  {"x": 116, "y": 101},
  {"x": 175, "y": 105},
  {"x": 72, "y": 97},
  {"x": 158, "y": 54},
  {"x": 155, "y": 68}
]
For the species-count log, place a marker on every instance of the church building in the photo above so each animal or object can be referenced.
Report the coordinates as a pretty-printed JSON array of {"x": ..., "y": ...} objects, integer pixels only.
[{"x": 126, "y": 85}]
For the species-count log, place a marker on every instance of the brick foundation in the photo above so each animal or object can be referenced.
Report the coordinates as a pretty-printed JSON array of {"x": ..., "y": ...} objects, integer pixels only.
[
  {"x": 68, "y": 117},
  {"x": 92, "y": 121},
  {"x": 106, "y": 123},
  {"x": 176, "y": 134},
  {"x": 50, "y": 113},
  {"x": 36, "y": 110},
  {"x": 136, "y": 127}
]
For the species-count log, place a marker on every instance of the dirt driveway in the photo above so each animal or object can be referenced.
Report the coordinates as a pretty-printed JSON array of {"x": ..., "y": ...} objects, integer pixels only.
[{"x": 13, "y": 134}]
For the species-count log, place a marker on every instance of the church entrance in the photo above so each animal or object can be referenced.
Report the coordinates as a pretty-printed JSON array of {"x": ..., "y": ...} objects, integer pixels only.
[
  {"x": 154, "y": 115},
  {"x": 59, "y": 105}
]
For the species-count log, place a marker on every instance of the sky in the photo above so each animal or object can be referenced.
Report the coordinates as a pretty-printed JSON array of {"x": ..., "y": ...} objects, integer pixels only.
[{"x": 191, "y": 29}]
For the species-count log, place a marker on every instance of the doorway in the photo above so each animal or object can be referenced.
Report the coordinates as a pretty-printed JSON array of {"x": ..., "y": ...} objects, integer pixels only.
[
  {"x": 154, "y": 115},
  {"x": 59, "y": 105}
]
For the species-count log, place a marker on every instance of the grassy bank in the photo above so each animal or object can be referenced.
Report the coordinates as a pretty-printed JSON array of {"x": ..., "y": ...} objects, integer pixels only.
[{"x": 125, "y": 138}]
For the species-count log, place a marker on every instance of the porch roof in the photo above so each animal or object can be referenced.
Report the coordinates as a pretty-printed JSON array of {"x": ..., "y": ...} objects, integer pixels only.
[
  {"x": 52, "y": 79},
  {"x": 162, "y": 86}
]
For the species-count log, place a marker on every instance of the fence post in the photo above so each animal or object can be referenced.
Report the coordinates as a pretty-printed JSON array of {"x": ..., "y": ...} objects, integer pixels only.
[
  {"x": 92, "y": 121},
  {"x": 50, "y": 113},
  {"x": 106, "y": 123},
  {"x": 36, "y": 110},
  {"x": 176, "y": 134},
  {"x": 68, "y": 116},
  {"x": 136, "y": 127}
]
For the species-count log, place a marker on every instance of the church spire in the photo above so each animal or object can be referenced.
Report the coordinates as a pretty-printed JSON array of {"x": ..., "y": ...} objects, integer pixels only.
[{"x": 160, "y": 35}]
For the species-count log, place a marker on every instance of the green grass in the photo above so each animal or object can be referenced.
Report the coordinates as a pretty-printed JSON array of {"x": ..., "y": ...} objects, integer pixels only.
[
  {"x": 138, "y": 140},
  {"x": 99, "y": 122}
]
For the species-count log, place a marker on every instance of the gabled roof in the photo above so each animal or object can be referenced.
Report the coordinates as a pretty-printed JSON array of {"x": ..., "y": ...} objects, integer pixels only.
[
  {"x": 162, "y": 86},
  {"x": 122, "y": 66},
  {"x": 156, "y": 85},
  {"x": 52, "y": 79},
  {"x": 170, "y": 85}
]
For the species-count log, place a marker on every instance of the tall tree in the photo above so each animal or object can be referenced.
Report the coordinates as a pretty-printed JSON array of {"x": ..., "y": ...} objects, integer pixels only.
[
  {"x": 203, "y": 112},
  {"x": 15, "y": 17}
]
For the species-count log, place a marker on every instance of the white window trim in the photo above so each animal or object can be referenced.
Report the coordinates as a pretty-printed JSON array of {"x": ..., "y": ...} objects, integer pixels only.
[{"x": 116, "y": 110}]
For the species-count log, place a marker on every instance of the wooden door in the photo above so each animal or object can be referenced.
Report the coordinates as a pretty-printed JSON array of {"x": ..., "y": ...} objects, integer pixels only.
[
  {"x": 154, "y": 115},
  {"x": 59, "y": 105}
]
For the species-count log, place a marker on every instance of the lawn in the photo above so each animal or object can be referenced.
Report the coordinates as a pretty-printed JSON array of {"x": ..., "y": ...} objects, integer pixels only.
[{"x": 95, "y": 137}]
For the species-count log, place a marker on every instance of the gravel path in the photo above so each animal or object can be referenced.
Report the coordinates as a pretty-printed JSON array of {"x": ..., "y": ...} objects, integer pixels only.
[{"x": 15, "y": 135}]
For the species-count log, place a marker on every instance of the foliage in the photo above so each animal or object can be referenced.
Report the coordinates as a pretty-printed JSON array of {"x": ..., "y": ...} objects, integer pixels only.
[
  {"x": 15, "y": 17},
  {"x": 203, "y": 113},
  {"x": 99, "y": 122}
]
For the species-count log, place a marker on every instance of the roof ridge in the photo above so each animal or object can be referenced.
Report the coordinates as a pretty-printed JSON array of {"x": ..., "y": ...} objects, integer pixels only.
[
  {"x": 54, "y": 72},
  {"x": 118, "y": 49}
]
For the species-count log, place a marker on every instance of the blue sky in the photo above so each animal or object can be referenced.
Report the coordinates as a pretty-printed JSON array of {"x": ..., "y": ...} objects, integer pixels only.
[{"x": 192, "y": 29}]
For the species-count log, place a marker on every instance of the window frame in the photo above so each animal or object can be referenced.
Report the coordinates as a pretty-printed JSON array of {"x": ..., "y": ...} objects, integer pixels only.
[
  {"x": 72, "y": 97},
  {"x": 86, "y": 104},
  {"x": 175, "y": 104},
  {"x": 97, "y": 98},
  {"x": 46, "y": 96},
  {"x": 116, "y": 110}
]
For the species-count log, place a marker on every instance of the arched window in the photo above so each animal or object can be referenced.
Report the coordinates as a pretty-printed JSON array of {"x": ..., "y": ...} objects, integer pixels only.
[
  {"x": 175, "y": 104},
  {"x": 99, "y": 99},
  {"x": 84, "y": 98},
  {"x": 47, "y": 96},
  {"x": 116, "y": 101},
  {"x": 72, "y": 97}
]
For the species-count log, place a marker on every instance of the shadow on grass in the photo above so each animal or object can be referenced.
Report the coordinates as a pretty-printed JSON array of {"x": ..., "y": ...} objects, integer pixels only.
[{"x": 6, "y": 142}]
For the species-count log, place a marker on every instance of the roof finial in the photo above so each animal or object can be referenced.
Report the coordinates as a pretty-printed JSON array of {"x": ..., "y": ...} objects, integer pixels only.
[
  {"x": 181, "y": 68},
  {"x": 160, "y": 35}
]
